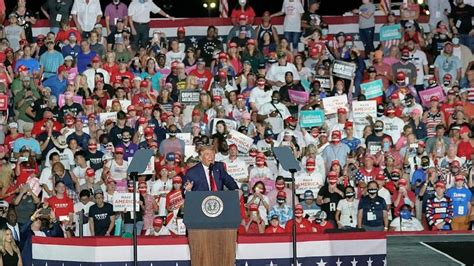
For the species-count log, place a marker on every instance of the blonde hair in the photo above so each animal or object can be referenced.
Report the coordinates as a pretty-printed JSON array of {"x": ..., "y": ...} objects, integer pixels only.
[{"x": 3, "y": 234}]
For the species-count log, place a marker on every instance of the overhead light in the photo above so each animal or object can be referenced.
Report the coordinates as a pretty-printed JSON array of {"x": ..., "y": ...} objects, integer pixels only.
[
  {"x": 213, "y": 5},
  {"x": 204, "y": 5}
]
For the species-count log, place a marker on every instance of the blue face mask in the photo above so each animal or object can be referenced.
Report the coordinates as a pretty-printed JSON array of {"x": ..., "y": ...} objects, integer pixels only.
[
  {"x": 386, "y": 146},
  {"x": 405, "y": 214},
  {"x": 325, "y": 31},
  {"x": 141, "y": 1}
]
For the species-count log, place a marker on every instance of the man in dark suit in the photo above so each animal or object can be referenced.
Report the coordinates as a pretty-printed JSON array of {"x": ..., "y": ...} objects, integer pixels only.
[{"x": 208, "y": 175}]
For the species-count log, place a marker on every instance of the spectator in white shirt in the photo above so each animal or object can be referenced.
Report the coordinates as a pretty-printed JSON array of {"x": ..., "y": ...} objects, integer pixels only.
[{"x": 86, "y": 13}]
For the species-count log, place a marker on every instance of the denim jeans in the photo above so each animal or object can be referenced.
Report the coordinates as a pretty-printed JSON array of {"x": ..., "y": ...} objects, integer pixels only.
[
  {"x": 467, "y": 41},
  {"x": 367, "y": 38},
  {"x": 128, "y": 228},
  {"x": 293, "y": 38}
]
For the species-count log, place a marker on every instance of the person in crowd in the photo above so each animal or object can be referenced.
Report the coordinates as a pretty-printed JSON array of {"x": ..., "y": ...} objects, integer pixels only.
[
  {"x": 439, "y": 209},
  {"x": 372, "y": 210},
  {"x": 406, "y": 222},
  {"x": 101, "y": 216},
  {"x": 461, "y": 198},
  {"x": 347, "y": 209}
]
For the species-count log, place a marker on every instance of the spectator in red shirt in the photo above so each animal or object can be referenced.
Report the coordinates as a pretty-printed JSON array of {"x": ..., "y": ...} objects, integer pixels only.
[
  {"x": 465, "y": 146},
  {"x": 26, "y": 166},
  {"x": 10, "y": 138},
  {"x": 122, "y": 71},
  {"x": 61, "y": 204},
  {"x": 302, "y": 224},
  {"x": 320, "y": 223},
  {"x": 63, "y": 34},
  {"x": 402, "y": 196},
  {"x": 254, "y": 223},
  {"x": 243, "y": 8},
  {"x": 203, "y": 75},
  {"x": 274, "y": 227}
]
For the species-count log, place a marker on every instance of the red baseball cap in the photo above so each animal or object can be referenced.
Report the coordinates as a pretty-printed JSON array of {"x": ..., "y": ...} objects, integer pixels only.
[
  {"x": 158, "y": 221},
  {"x": 459, "y": 178},
  {"x": 434, "y": 98},
  {"x": 281, "y": 194},
  {"x": 181, "y": 29},
  {"x": 88, "y": 101},
  {"x": 250, "y": 42},
  {"x": 131, "y": 108},
  {"x": 196, "y": 112},
  {"x": 380, "y": 177},
  {"x": 440, "y": 184},
  {"x": 119, "y": 150},
  {"x": 90, "y": 172},
  {"x": 96, "y": 59},
  {"x": 61, "y": 68},
  {"x": 142, "y": 120},
  {"x": 401, "y": 76},
  {"x": 144, "y": 84},
  {"x": 348, "y": 124},
  {"x": 177, "y": 180},
  {"x": 232, "y": 45},
  {"x": 341, "y": 111}
]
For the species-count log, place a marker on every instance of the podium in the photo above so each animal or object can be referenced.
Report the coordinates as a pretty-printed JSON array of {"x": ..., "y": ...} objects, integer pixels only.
[{"x": 212, "y": 219}]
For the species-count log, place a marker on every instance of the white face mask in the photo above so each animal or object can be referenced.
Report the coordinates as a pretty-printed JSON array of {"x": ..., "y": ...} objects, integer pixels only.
[
  {"x": 455, "y": 40},
  {"x": 242, "y": 2}
]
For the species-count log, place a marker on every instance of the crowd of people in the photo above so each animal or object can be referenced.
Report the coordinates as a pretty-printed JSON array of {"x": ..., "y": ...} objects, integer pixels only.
[{"x": 383, "y": 131}]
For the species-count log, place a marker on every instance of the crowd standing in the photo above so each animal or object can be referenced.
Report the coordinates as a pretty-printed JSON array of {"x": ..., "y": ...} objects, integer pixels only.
[{"x": 78, "y": 102}]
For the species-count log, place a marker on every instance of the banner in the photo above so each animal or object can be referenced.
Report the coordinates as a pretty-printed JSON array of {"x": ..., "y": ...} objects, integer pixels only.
[
  {"x": 242, "y": 141},
  {"x": 124, "y": 201},
  {"x": 75, "y": 98},
  {"x": 298, "y": 97},
  {"x": 190, "y": 97},
  {"x": 372, "y": 89},
  {"x": 254, "y": 250},
  {"x": 427, "y": 94},
  {"x": 343, "y": 69},
  {"x": 331, "y": 104},
  {"x": 390, "y": 32},
  {"x": 360, "y": 111},
  {"x": 238, "y": 170},
  {"x": 123, "y": 103},
  {"x": 311, "y": 118},
  {"x": 3, "y": 102},
  {"x": 324, "y": 81},
  {"x": 186, "y": 137}
]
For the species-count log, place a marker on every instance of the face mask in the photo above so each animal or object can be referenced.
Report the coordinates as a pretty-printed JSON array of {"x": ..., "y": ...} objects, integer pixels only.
[
  {"x": 242, "y": 2},
  {"x": 325, "y": 31},
  {"x": 310, "y": 168},
  {"x": 298, "y": 214},
  {"x": 126, "y": 140},
  {"x": 386, "y": 146},
  {"x": 455, "y": 40},
  {"x": 405, "y": 214},
  {"x": 318, "y": 221},
  {"x": 442, "y": 36},
  {"x": 395, "y": 178},
  {"x": 116, "y": 2},
  {"x": 172, "y": 134},
  {"x": 372, "y": 191},
  {"x": 281, "y": 201},
  {"x": 378, "y": 129},
  {"x": 349, "y": 45},
  {"x": 141, "y": 1},
  {"x": 292, "y": 127},
  {"x": 275, "y": 101},
  {"x": 349, "y": 195},
  {"x": 260, "y": 163},
  {"x": 454, "y": 170}
]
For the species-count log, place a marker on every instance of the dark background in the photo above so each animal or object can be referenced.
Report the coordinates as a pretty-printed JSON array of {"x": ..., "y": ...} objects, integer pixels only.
[{"x": 194, "y": 8}]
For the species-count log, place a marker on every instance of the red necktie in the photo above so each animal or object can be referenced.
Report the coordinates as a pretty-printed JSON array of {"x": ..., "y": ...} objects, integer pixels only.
[{"x": 212, "y": 181}]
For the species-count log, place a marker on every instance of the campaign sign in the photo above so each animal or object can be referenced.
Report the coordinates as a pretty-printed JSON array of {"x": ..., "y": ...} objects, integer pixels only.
[
  {"x": 106, "y": 116},
  {"x": 372, "y": 89},
  {"x": 390, "y": 32},
  {"x": 3, "y": 102},
  {"x": 189, "y": 97},
  {"x": 242, "y": 141},
  {"x": 62, "y": 100},
  {"x": 343, "y": 69},
  {"x": 324, "y": 81},
  {"x": 360, "y": 111},
  {"x": 231, "y": 124},
  {"x": 374, "y": 146},
  {"x": 304, "y": 182},
  {"x": 311, "y": 118},
  {"x": 124, "y": 201},
  {"x": 427, "y": 94},
  {"x": 298, "y": 97},
  {"x": 238, "y": 170},
  {"x": 186, "y": 137},
  {"x": 331, "y": 104}
]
